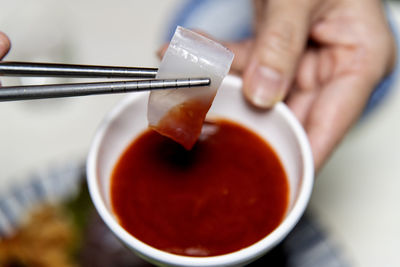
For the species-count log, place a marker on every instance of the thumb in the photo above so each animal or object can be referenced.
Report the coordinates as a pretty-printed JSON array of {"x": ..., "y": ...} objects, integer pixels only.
[
  {"x": 4, "y": 45},
  {"x": 280, "y": 40}
]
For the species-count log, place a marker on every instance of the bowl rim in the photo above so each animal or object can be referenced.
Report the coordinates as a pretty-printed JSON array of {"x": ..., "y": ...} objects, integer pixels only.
[{"x": 237, "y": 257}]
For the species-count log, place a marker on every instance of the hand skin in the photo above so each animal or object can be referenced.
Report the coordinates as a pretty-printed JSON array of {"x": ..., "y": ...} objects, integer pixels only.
[
  {"x": 322, "y": 57},
  {"x": 4, "y": 45}
]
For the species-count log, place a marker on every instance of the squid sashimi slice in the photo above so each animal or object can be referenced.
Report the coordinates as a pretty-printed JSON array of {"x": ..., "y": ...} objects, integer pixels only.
[{"x": 179, "y": 113}]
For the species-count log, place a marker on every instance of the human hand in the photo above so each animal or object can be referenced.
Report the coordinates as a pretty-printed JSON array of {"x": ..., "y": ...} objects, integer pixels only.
[
  {"x": 4, "y": 45},
  {"x": 323, "y": 57}
]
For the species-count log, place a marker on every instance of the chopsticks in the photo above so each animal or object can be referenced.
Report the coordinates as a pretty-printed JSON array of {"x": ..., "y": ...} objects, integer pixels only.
[
  {"x": 69, "y": 70},
  {"x": 11, "y": 93},
  {"x": 81, "y": 89}
]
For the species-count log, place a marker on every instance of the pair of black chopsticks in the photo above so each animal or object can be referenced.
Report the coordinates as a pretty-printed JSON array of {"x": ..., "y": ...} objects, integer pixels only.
[{"x": 146, "y": 75}]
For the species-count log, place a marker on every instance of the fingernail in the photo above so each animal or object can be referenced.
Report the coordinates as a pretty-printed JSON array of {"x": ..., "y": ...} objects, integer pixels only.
[{"x": 266, "y": 87}]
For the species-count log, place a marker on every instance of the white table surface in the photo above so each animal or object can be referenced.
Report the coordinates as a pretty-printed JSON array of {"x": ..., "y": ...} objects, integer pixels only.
[{"x": 356, "y": 195}]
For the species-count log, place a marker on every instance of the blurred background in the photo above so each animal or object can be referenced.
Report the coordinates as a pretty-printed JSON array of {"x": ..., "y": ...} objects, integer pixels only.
[{"x": 356, "y": 194}]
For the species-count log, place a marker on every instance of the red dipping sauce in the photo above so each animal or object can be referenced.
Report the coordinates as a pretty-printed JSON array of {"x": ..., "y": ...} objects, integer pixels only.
[{"x": 225, "y": 194}]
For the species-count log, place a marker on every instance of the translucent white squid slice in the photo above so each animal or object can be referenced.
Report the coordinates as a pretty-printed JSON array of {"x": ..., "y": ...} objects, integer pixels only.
[{"x": 179, "y": 113}]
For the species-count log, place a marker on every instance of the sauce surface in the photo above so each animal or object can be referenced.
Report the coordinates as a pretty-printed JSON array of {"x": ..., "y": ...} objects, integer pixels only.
[{"x": 225, "y": 194}]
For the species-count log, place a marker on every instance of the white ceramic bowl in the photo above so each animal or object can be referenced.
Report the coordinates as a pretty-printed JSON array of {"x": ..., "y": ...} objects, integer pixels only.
[{"x": 278, "y": 126}]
